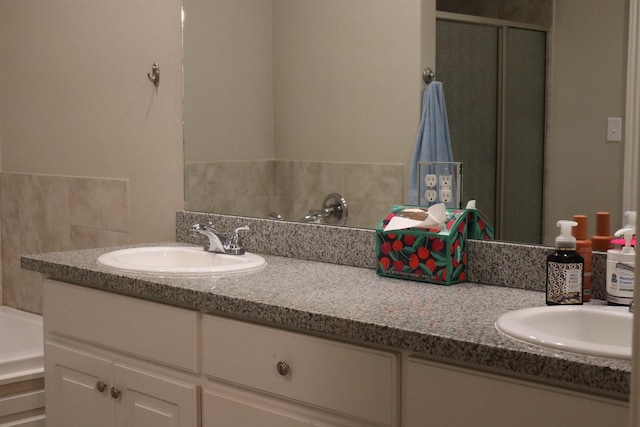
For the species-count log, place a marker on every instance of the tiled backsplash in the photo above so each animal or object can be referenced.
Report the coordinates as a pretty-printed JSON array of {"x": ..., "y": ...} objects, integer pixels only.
[
  {"x": 44, "y": 213},
  {"x": 293, "y": 188}
]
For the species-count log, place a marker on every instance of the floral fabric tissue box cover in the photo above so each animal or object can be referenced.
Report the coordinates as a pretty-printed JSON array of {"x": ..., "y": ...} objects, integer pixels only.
[{"x": 430, "y": 255}]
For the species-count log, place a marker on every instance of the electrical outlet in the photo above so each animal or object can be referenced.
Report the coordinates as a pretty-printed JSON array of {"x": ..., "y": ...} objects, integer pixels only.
[
  {"x": 431, "y": 180},
  {"x": 431, "y": 195},
  {"x": 446, "y": 196},
  {"x": 445, "y": 182}
]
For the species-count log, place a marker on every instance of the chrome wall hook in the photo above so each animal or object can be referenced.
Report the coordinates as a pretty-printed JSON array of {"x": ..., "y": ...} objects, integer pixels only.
[
  {"x": 154, "y": 75},
  {"x": 428, "y": 75}
]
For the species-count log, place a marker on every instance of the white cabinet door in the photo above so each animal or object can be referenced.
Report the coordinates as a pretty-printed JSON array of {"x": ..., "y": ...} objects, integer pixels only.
[
  {"x": 84, "y": 389},
  {"x": 149, "y": 400},
  {"x": 222, "y": 411},
  {"x": 77, "y": 388},
  {"x": 440, "y": 395}
]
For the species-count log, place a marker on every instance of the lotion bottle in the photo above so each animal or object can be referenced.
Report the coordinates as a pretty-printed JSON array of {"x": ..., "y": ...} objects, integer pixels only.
[
  {"x": 584, "y": 249},
  {"x": 565, "y": 269},
  {"x": 620, "y": 270},
  {"x": 601, "y": 241}
]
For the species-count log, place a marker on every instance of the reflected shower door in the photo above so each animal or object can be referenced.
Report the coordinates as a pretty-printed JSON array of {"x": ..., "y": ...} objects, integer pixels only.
[{"x": 494, "y": 81}]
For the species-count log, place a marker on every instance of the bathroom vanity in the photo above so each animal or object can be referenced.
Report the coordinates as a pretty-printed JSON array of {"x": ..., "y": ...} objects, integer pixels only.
[{"x": 303, "y": 343}]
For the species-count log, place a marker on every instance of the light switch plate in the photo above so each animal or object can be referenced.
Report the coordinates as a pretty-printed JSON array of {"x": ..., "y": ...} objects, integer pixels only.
[{"x": 614, "y": 129}]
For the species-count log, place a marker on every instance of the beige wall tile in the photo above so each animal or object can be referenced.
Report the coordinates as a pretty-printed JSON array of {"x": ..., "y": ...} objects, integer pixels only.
[
  {"x": 98, "y": 203},
  {"x": 260, "y": 176},
  {"x": 31, "y": 284},
  {"x": 374, "y": 182},
  {"x": 45, "y": 214},
  {"x": 36, "y": 211},
  {"x": 11, "y": 271},
  {"x": 86, "y": 238}
]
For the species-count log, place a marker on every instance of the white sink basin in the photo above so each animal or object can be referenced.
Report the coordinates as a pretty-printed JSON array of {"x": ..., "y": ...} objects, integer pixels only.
[
  {"x": 602, "y": 331},
  {"x": 179, "y": 260}
]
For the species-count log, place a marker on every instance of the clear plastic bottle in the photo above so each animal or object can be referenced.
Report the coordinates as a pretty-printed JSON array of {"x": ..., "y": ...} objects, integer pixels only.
[{"x": 565, "y": 269}]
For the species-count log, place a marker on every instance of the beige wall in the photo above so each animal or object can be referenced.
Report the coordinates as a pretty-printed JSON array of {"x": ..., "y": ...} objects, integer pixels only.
[
  {"x": 588, "y": 76},
  {"x": 75, "y": 99},
  {"x": 355, "y": 95},
  {"x": 228, "y": 80}
]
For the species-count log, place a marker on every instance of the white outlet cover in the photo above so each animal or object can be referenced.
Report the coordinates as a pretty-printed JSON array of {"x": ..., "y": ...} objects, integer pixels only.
[
  {"x": 445, "y": 181},
  {"x": 431, "y": 195},
  {"x": 430, "y": 180},
  {"x": 446, "y": 196}
]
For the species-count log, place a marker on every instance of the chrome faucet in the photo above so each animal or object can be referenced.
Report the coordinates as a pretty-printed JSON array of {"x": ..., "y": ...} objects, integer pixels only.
[{"x": 218, "y": 242}]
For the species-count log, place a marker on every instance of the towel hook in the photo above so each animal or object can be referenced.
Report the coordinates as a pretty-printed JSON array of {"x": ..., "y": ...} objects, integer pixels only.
[
  {"x": 154, "y": 75},
  {"x": 428, "y": 75}
]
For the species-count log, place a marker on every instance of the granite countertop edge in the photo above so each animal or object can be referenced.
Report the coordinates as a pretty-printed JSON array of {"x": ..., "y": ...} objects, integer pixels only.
[{"x": 462, "y": 333}]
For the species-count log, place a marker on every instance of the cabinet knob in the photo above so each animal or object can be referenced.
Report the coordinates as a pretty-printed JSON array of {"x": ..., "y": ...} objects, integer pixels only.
[
  {"x": 115, "y": 393},
  {"x": 101, "y": 386},
  {"x": 282, "y": 367}
]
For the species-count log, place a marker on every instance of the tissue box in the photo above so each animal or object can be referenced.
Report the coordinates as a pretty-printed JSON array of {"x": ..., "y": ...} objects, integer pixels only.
[{"x": 430, "y": 255}]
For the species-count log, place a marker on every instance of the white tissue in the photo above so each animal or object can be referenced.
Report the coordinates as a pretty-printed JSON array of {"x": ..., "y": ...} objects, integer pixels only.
[{"x": 436, "y": 218}]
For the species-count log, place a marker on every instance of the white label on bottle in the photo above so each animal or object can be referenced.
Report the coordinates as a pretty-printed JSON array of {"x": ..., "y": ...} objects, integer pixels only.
[
  {"x": 573, "y": 280},
  {"x": 624, "y": 279}
]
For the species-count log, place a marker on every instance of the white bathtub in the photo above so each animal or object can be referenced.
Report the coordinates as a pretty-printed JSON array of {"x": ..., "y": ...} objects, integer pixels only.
[
  {"x": 21, "y": 345},
  {"x": 21, "y": 369}
]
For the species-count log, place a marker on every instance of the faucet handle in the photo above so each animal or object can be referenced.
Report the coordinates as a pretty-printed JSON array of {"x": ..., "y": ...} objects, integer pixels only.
[
  {"x": 235, "y": 245},
  {"x": 201, "y": 226}
]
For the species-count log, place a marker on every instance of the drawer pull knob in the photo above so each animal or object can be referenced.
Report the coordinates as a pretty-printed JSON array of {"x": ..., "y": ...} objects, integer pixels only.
[
  {"x": 282, "y": 367},
  {"x": 101, "y": 386},
  {"x": 115, "y": 393}
]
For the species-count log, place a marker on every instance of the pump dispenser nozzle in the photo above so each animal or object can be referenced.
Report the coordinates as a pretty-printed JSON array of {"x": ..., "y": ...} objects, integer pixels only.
[
  {"x": 628, "y": 234},
  {"x": 630, "y": 219},
  {"x": 566, "y": 240}
]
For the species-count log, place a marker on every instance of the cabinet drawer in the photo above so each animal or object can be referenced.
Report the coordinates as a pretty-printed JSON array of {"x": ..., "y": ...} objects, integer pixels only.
[
  {"x": 154, "y": 331},
  {"x": 346, "y": 378}
]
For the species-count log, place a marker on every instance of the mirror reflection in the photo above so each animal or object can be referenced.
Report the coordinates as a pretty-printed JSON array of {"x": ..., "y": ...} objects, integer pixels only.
[{"x": 289, "y": 101}]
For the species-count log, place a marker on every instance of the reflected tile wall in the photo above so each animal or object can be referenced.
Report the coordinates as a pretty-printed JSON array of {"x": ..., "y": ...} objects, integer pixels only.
[
  {"x": 293, "y": 188},
  {"x": 41, "y": 213},
  {"x": 238, "y": 187}
]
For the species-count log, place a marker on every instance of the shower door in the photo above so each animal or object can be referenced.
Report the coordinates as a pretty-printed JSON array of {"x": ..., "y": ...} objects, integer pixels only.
[{"x": 494, "y": 79}]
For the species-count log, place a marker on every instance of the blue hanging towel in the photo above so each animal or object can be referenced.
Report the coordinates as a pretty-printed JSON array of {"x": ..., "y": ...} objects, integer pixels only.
[{"x": 433, "y": 143}]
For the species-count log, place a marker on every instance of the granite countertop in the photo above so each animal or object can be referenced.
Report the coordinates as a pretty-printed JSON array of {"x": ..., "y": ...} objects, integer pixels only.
[{"x": 453, "y": 324}]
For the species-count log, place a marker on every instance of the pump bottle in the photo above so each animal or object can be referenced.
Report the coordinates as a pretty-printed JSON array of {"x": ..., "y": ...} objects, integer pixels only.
[
  {"x": 620, "y": 270},
  {"x": 565, "y": 269}
]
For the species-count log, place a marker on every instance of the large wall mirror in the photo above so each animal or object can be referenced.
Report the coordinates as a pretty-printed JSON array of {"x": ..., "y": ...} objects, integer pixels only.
[{"x": 287, "y": 101}]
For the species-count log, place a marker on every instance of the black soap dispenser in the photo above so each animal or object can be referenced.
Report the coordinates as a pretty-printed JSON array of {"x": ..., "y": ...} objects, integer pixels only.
[{"x": 565, "y": 269}]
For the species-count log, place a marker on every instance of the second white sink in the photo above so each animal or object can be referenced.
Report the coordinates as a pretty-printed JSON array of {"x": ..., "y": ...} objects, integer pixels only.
[
  {"x": 179, "y": 260},
  {"x": 602, "y": 331}
]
